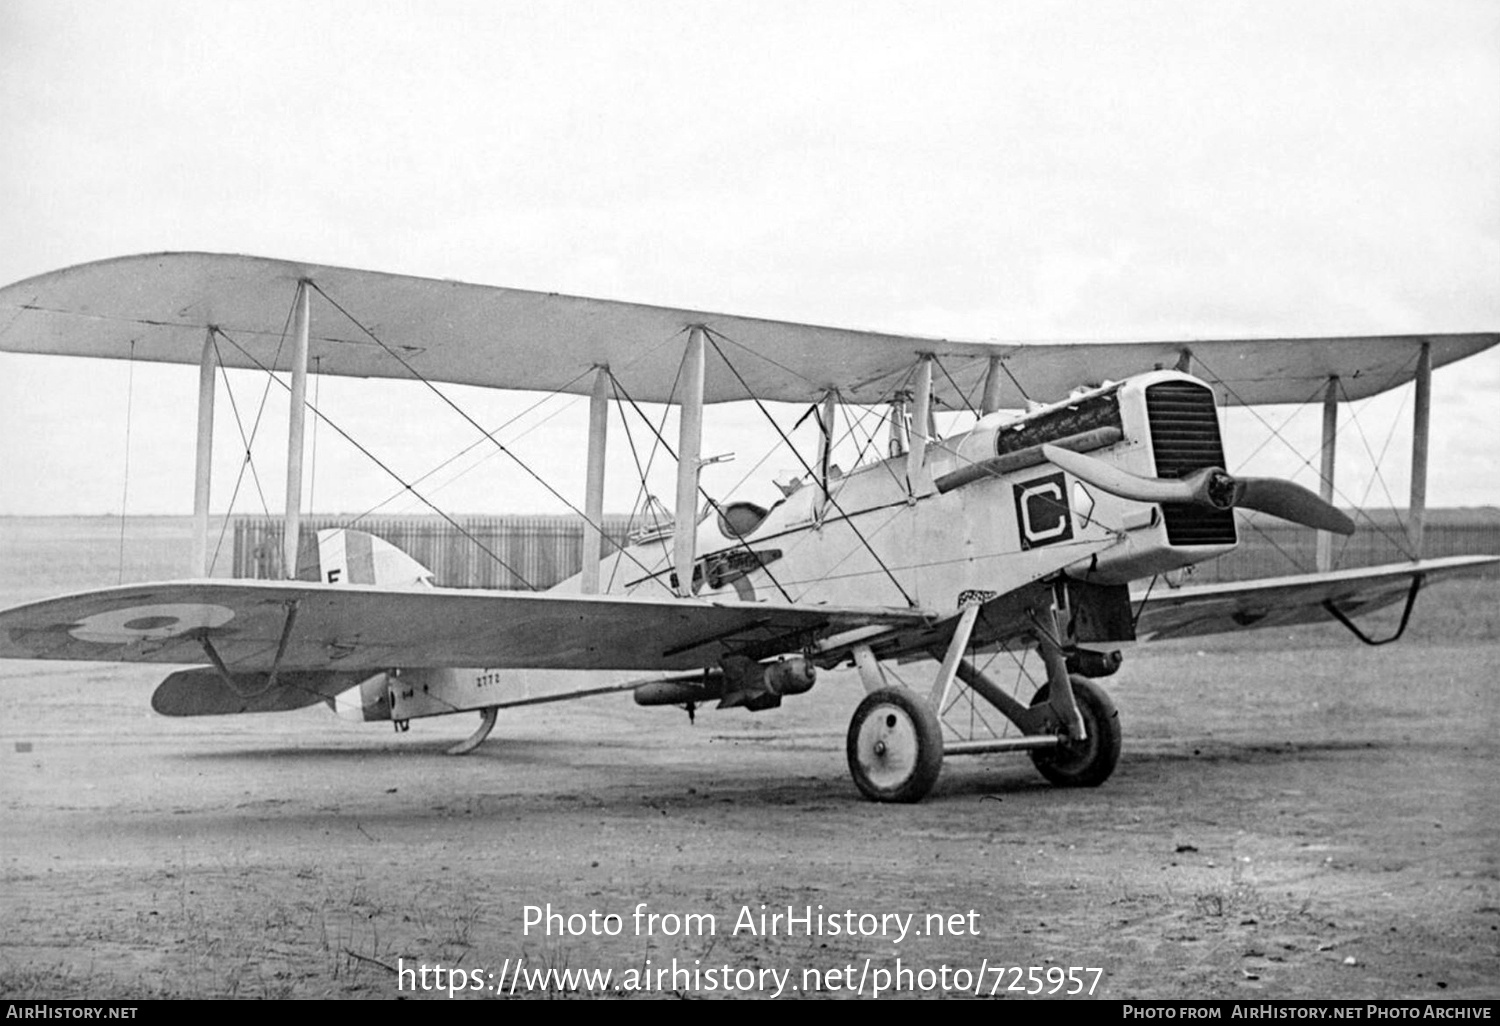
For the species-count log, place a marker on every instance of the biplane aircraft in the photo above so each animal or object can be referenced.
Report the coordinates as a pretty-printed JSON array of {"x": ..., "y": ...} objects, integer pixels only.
[{"x": 1025, "y": 531}]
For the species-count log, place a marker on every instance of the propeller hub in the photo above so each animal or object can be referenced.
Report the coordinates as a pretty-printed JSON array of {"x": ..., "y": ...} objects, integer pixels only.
[{"x": 1220, "y": 490}]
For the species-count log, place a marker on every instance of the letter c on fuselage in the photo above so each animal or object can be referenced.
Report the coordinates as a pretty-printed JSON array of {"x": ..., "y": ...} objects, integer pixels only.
[{"x": 1042, "y": 511}]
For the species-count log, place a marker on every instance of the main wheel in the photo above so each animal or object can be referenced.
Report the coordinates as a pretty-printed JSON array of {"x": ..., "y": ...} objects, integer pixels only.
[
  {"x": 1086, "y": 763},
  {"x": 895, "y": 746}
]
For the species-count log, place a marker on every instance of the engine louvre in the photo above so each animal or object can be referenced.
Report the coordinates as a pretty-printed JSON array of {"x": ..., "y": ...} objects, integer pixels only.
[{"x": 1185, "y": 438}]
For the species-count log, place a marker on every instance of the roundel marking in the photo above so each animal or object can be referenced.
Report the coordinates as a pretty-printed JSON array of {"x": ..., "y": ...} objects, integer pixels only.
[
  {"x": 149, "y": 623},
  {"x": 146, "y": 623}
]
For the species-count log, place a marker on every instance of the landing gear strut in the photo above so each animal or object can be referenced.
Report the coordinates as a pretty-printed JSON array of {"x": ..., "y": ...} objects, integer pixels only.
[{"x": 1071, "y": 729}]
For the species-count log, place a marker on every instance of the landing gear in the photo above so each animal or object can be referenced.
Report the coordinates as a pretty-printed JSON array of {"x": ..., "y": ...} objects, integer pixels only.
[
  {"x": 895, "y": 746},
  {"x": 1071, "y": 729},
  {"x": 1086, "y": 763}
]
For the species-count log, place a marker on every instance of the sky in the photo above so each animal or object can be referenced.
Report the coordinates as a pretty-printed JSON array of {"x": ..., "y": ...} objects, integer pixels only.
[{"x": 988, "y": 170}]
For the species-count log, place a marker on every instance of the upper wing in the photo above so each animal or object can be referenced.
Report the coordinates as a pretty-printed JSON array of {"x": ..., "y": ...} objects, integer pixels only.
[
  {"x": 1283, "y": 601},
  {"x": 350, "y": 628},
  {"x": 158, "y": 307}
]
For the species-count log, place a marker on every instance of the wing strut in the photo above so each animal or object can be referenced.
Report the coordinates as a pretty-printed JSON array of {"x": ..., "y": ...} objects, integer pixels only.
[
  {"x": 593, "y": 497},
  {"x": 916, "y": 456},
  {"x": 991, "y": 401},
  {"x": 825, "y": 450},
  {"x": 689, "y": 445},
  {"x": 204, "y": 464},
  {"x": 1330, "y": 451},
  {"x": 1416, "y": 511},
  {"x": 297, "y": 420}
]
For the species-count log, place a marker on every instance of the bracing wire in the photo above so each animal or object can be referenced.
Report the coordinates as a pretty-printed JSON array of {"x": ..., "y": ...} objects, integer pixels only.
[
  {"x": 957, "y": 391},
  {"x": 1400, "y": 541},
  {"x": 1395, "y": 374},
  {"x": 1375, "y": 477},
  {"x": 465, "y": 415},
  {"x": 247, "y": 462},
  {"x": 464, "y": 452},
  {"x": 642, "y": 496},
  {"x": 397, "y": 477},
  {"x": 712, "y": 335},
  {"x": 1013, "y": 381},
  {"x": 740, "y": 542}
]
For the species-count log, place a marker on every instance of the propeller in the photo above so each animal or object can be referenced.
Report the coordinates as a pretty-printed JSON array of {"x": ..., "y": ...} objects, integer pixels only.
[{"x": 1211, "y": 486}]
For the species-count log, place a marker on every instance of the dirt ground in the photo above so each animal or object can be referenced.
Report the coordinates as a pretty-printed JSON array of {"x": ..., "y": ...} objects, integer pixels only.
[{"x": 1295, "y": 816}]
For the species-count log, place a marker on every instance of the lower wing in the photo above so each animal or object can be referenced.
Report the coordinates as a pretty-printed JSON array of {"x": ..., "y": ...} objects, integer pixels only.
[
  {"x": 1284, "y": 601},
  {"x": 259, "y": 626}
]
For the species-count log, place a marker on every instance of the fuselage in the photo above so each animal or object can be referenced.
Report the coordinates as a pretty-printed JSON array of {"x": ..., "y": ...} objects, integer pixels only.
[{"x": 985, "y": 512}]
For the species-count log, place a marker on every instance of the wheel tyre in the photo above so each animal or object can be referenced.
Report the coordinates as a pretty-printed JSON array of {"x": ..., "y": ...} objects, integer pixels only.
[
  {"x": 1087, "y": 763},
  {"x": 895, "y": 746}
]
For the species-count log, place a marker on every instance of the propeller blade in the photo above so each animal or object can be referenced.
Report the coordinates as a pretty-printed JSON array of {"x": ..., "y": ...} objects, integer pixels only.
[
  {"x": 1122, "y": 483},
  {"x": 1290, "y": 502},
  {"x": 1208, "y": 487}
]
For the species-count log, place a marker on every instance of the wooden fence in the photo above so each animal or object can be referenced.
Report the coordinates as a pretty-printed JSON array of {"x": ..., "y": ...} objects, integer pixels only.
[
  {"x": 506, "y": 552},
  {"x": 1274, "y": 548}
]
